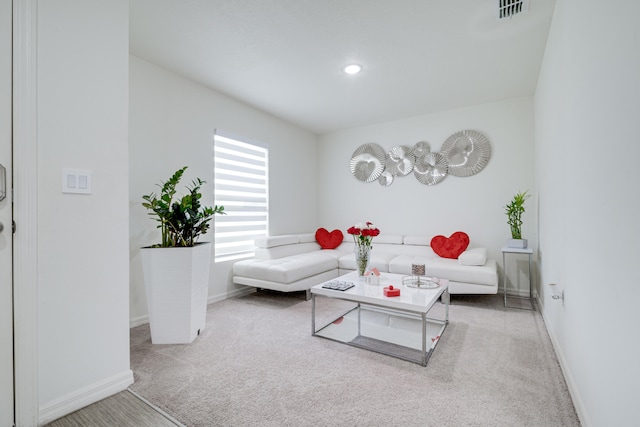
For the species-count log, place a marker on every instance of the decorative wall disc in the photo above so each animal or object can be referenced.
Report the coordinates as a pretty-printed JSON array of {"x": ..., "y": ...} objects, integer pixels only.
[
  {"x": 368, "y": 162},
  {"x": 421, "y": 148},
  {"x": 400, "y": 160},
  {"x": 430, "y": 169},
  {"x": 467, "y": 152},
  {"x": 386, "y": 179}
]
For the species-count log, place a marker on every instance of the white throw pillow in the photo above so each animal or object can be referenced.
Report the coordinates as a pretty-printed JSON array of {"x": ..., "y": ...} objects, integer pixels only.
[{"x": 475, "y": 256}]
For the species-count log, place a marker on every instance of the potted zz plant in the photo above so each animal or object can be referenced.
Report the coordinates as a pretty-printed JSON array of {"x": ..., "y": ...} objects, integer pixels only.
[
  {"x": 514, "y": 211},
  {"x": 176, "y": 270}
]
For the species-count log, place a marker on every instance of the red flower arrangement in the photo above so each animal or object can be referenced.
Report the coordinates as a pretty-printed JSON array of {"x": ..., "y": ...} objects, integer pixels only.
[
  {"x": 363, "y": 233},
  {"x": 362, "y": 236}
]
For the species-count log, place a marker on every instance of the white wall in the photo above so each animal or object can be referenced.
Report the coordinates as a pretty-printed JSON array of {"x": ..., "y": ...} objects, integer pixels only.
[
  {"x": 83, "y": 260},
  {"x": 172, "y": 121},
  {"x": 472, "y": 204},
  {"x": 587, "y": 152}
]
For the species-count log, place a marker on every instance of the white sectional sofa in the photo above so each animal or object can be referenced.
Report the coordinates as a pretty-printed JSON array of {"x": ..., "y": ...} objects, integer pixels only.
[{"x": 296, "y": 262}]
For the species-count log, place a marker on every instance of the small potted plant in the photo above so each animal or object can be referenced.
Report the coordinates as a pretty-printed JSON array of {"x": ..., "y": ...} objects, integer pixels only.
[
  {"x": 514, "y": 211},
  {"x": 176, "y": 270}
]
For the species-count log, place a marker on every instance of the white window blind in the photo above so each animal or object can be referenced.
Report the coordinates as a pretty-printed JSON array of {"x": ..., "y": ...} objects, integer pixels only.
[{"x": 241, "y": 186}]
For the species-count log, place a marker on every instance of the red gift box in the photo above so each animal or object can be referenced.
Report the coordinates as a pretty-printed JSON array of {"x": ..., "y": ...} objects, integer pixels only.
[{"x": 391, "y": 291}]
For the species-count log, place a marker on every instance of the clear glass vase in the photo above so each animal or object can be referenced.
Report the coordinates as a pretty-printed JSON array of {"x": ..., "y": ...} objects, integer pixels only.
[{"x": 363, "y": 254}]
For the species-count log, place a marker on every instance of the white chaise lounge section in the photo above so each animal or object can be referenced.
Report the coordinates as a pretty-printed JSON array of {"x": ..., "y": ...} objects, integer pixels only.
[{"x": 287, "y": 263}]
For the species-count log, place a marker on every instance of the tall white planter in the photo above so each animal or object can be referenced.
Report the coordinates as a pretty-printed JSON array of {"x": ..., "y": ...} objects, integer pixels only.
[{"x": 176, "y": 282}]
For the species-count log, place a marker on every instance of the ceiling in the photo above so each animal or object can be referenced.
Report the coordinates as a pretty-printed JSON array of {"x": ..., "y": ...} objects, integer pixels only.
[{"x": 285, "y": 57}]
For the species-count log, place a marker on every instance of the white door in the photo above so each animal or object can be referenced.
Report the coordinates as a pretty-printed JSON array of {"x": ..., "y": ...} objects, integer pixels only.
[{"x": 6, "y": 282}]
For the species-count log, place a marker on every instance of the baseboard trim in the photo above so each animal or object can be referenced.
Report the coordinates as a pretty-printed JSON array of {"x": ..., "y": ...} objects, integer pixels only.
[
  {"x": 85, "y": 396},
  {"x": 246, "y": 290},
  {"x": 519, "y": 293},
  {"x": 137, "y": 321},
  {"x": 566, "y": 371}
]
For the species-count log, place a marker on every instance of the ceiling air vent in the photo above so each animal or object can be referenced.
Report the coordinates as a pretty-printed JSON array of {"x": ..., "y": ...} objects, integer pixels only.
[{"x": 509, "y": 8}]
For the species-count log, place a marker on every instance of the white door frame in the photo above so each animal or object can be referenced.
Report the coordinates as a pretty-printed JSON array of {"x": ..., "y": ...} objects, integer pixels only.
[
  {"x": 25, "y": 193},
  {"x": 6, "y": 217}
]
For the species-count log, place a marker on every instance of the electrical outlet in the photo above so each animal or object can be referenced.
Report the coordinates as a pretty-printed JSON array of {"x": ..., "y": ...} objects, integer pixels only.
[{"x": 560, "y": 297}]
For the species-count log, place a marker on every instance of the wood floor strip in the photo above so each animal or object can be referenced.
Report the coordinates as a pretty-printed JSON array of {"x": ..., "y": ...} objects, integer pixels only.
[{"x": 125, "y": 409}]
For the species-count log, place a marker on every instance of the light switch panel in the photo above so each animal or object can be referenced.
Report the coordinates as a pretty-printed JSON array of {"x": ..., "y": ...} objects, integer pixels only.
[{"x": 76, "y": 181}]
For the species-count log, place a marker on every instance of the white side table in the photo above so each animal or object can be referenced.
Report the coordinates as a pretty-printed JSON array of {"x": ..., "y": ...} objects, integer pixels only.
[{"x": 526, "y": 251}]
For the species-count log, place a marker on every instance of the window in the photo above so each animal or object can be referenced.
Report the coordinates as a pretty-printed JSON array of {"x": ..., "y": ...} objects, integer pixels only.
[{"x": 241, "y": 172}]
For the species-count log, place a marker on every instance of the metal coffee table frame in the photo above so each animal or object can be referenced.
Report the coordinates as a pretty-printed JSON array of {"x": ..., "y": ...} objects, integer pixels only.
[{"x": 383, "y": 305}]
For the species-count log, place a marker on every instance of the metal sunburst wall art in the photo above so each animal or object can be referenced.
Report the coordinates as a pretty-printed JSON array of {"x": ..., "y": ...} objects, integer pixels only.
[{"x": 463, "y": 154}]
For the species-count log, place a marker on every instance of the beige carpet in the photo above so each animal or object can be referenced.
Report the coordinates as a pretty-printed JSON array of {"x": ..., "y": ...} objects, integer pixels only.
[{"x": 256, "y": 364}]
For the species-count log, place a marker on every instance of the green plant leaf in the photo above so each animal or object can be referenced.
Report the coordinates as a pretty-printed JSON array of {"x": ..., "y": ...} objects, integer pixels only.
[
  {"x": 514, "y": 210},
  {"x": 181, "y": 221}
]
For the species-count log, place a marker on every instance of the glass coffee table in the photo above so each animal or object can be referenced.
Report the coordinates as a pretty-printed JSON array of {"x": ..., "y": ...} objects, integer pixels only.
[{"x": 399, "y": 326}]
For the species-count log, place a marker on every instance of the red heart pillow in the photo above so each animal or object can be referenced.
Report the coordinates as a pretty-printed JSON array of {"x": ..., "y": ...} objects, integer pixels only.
[
  {"x": 450, "y": 247},
  {"x": 328, "y": 240}
]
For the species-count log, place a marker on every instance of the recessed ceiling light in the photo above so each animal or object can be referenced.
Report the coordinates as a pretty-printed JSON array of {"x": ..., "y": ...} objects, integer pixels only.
[{"x": 352, "y": 69}]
